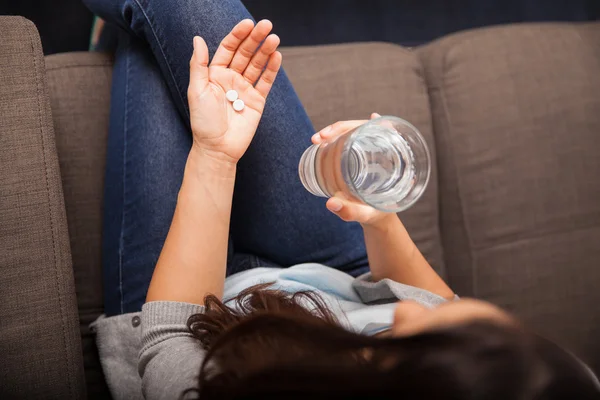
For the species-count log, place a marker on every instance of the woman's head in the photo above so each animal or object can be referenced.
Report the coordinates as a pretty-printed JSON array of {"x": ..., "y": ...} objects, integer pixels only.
[
  {"x": 270, "y": 343},
  {"x": 411, "y": 318}
]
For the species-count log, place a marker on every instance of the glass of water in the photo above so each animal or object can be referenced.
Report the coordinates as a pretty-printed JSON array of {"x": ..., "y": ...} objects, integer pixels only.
[{"x": 384, "y": 163}]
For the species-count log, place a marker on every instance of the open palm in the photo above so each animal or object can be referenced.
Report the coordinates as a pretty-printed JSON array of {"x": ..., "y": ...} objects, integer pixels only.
[{"x": 238, "y": 64}]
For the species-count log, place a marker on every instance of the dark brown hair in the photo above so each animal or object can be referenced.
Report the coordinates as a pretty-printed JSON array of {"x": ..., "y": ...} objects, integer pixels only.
[{"x": 268, "y": 343}]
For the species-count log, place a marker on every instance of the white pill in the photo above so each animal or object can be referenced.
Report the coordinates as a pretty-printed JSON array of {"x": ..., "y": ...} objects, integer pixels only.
[
  {"x": 238, "y": 105},
  {"x": 231, "y": 95}
]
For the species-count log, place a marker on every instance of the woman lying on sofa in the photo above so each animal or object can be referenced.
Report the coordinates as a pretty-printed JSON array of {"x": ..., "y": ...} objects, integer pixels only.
[{"x": 264, "y": 290}]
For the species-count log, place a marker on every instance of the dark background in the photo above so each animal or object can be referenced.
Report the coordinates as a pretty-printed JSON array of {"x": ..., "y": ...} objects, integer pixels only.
[{"x": 65, "y": 25}]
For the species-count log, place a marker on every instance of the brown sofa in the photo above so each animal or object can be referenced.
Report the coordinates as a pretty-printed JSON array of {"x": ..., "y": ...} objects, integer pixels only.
[{"x": 512, "y": 214}]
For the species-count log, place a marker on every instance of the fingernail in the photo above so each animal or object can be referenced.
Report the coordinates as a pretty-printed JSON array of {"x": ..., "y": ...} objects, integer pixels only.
[
  {"x": 377, "y": 115},
  {"x": 196, "y": 39},
  {"x": 335, "y": 205},
  {"x": 342, "y": 195}
]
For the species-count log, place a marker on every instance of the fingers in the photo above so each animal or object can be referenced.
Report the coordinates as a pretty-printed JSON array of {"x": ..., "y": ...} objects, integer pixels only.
[
  {"x": 340, "y": 208},
  {"x": 226, "y": 51},
  {"x": 265, "y": 83},
  {"x": 347, "y": 210},
  {"x": 334, "y": 205},
  {"x": 199, "y": 65},
  {"x": 248, "y": 47},
  {"x": 331, "y": 132},
  {"x": 260, "y": 59}
]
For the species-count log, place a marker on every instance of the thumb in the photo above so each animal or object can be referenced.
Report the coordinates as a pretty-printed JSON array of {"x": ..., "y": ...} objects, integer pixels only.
[
  {"x": 343, "y": 208},
  {"x": 199, "y": 65}
]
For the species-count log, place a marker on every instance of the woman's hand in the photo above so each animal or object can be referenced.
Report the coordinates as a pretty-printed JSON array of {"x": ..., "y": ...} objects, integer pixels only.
[
  {"x": 238, "y": 64},
  {"x": 339, "y": 204},
  {"x": 392, "y": 253}
]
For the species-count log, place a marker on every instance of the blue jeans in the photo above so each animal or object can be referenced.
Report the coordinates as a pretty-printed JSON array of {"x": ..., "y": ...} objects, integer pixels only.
[{"x": 274, "y": 221}]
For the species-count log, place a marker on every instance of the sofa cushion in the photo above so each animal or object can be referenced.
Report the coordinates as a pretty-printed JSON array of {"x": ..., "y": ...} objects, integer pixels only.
[
  {"x": 352, "y": 81},
  {"x": 39, "y": 336},
  {"x": 79, "y": 85},
  {"x": 517, "y": 121}
]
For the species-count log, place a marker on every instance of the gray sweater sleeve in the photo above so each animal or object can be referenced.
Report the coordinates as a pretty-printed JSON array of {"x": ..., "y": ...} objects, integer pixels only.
[
  {"x": 170, "y": 358},
  {"x": 387, "y": 290}
]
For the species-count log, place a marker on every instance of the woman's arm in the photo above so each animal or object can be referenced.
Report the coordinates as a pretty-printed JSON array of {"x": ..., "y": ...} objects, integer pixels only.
[
  {"x": 392, "y": 253},
  {"x": 193, "y": 260}
]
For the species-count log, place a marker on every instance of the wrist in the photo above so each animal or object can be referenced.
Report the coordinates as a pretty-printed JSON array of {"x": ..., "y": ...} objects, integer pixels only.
[
  {"x": 382, "y": 223},
  {"x": 205, "y": 162},
  {"x": 207, "y": 177},
  {"x": 211, "y": 153}
]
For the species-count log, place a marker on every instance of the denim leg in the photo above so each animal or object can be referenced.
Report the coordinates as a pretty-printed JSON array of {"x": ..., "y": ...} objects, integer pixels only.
[
  {"x": 147, "y": 149},
  {"x": 168, "y": 27},
  {"x": 273, "y": 217}
]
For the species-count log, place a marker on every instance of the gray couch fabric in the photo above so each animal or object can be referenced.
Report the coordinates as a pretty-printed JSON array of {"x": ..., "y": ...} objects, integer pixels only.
[
  {"x": 512, "y": 215},
  {"x": 517, "y": 122},
  {"x": 80, "y": 85},
  {"x": 40, "y": 347}
]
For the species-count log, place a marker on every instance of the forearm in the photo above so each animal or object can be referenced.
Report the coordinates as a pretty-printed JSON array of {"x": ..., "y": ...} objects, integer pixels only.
[
  {"x": 193, "y": 260},
  {"x": 393, "y": 255}
]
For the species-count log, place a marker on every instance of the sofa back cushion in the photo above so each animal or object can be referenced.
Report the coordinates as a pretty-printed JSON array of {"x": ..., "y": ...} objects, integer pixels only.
[
  {"x": 517, "y": 122},
  {"x": 79, "y": 85}
]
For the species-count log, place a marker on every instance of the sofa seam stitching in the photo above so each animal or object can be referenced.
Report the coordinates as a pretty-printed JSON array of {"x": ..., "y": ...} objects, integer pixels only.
[
  {"x": 52, "y": 235},
  {"x": 456, "y": 174},
  {"x": 299, "y": 50},
  {"x": 423, "y": 76},
  {"x": 540, "y": 235},
  {"x": 61, "y": 67}
]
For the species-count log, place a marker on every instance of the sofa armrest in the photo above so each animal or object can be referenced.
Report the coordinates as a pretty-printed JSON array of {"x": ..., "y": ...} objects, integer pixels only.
[{"x": 40, "y": 345}]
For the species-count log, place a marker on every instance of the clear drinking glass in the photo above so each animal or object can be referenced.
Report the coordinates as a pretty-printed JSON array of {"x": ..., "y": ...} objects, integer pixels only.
[{"x": 384, "y": 163}]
